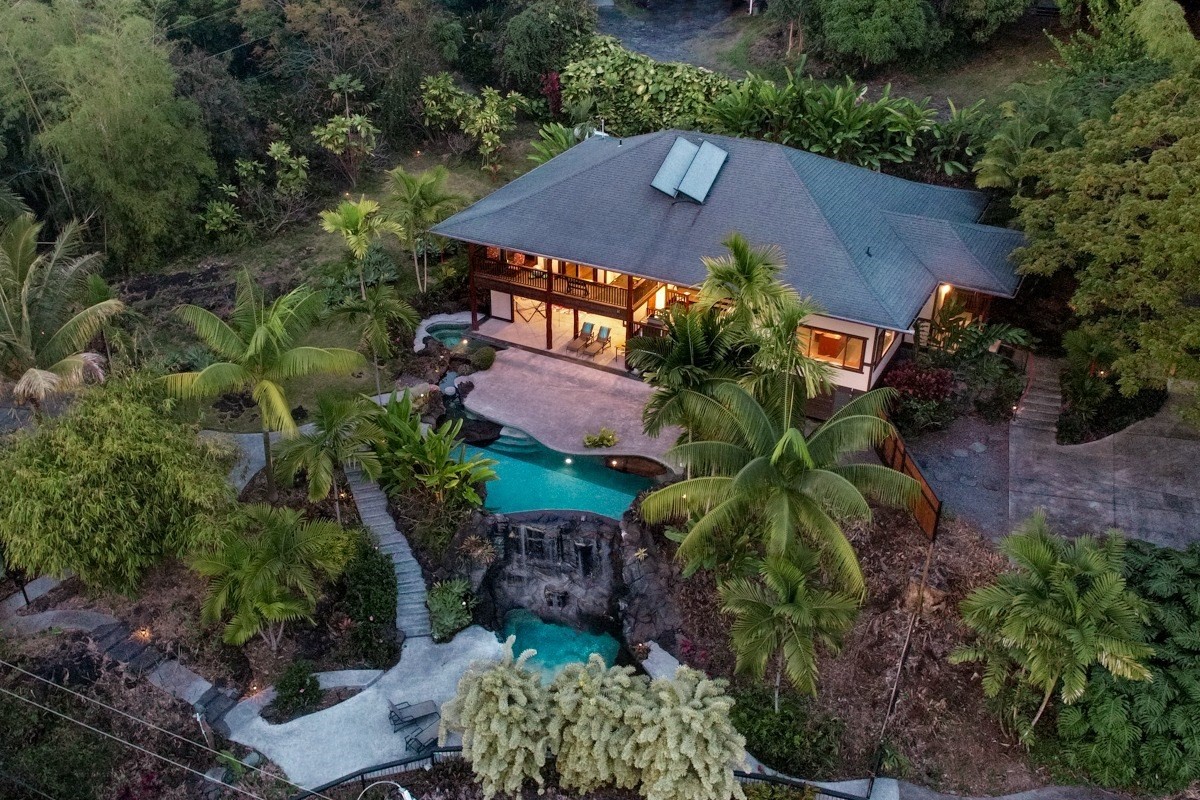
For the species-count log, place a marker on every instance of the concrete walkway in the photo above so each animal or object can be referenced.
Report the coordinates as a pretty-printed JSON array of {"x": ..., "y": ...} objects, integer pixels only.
[
  {"x": 558, "y": 402},
  {"x": 1144, "y": 480},
  {"x": 412, "y": 615}
]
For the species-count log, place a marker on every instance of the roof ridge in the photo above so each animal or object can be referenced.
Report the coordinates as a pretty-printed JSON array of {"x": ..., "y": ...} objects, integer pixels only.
[{"x": 893, "y": 217}]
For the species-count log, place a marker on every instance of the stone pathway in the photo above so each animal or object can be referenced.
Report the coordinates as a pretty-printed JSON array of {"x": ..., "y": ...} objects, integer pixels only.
[
  {"x": 1042, "y": 402},
  {"x": 967, "y": 466},
  {"x": 412, "y": 615}
]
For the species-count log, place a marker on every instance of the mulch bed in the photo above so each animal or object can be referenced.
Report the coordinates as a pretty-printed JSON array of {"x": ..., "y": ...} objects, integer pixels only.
[
  {"x": 297, "y": 497},
  {"x": 452, "y": 779},
  {"x": 941, "y": 726},
  {"x": 329, "y": 699}
]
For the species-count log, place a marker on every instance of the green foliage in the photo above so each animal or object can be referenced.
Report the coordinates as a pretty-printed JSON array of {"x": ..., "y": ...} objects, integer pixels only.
[
  {"x": 433, "y": 462},
  {"x": 590, "y": 735},
  {"x": 1146, "y": 734},
  {"x": 795, "y": 739},
  {"x": 351, "y": 138},
  {"x": 503, "y": 712},
  {"x": 370, "y": 599},
  {"x": 1064, "y": 609},
  {"x": 873, "y": 32},
  {"x": 554, "y": 139},
  {"x": 1162, "y": 26},
  {"x": 450, "y": 603},
  {"x": 538, "y": 39},
  {"x": 606, "y": 437},
  {"x": 297, "y": 691},
  {"x": 782, "y": 616},
  {"x": 93, "y": 90},
  {"x": 380, "y": 314},
  {"x": 47, "y": 320},
  {"x": 269, "y": 571},
  {"x": 772, "y": 791},
  {"x": 417, "y": 202},
  {"x": 483, "y": 118},
  {"x": 1116, "y": 212},
  {"x": 483, "y": 358},
  {"x": 109, "y": 488},
  {"x": 634, "y": 93}
]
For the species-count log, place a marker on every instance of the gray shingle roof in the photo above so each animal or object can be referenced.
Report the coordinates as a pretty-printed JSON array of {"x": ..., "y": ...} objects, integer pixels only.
[{"x": 868, "y": 247}]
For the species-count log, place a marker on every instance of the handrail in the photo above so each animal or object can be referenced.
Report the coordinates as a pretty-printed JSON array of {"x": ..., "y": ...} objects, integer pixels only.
[
  {"x": 392, "y": 767},
  {"x": 569, "y": 286}
]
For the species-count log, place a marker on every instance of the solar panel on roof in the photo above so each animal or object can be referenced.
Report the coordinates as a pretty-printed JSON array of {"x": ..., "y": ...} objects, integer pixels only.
[
  {"x": 702, "y": 172},
  {"x": 674, "y": 167}
]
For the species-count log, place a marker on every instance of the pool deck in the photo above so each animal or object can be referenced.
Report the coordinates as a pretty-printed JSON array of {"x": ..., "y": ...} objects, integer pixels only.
[{"x": 558, "y": 402}]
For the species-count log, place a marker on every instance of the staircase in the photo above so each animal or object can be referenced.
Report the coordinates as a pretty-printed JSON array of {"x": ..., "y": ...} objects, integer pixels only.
[
  {"x": 1040, "y": 406},
  {"x": 412, "y": 615}
]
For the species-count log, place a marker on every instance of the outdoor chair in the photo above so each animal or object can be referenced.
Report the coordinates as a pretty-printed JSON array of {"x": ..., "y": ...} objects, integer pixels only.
[
  {"x": 425, "y": 739},
  {"x": 577, "y": 287},
  {"x": 584, "y": 338},
  {"x": 601, "y": 343},
  {"x": 406, "y": 715}
]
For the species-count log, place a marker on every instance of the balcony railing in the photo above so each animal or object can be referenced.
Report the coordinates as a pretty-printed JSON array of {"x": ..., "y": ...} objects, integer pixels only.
[{"x": 567, "y": 288}]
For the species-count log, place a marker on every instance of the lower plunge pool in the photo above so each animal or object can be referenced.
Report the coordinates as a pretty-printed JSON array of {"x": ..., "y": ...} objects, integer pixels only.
[
  {"x": 556, "y": 645},
  {"x": 532, "y": 477}
]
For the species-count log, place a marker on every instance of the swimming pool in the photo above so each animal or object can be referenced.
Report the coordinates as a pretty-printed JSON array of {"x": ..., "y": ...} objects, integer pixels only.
[
  {"x": 453, "y": 335},
  {"x": 532, "y": 477},
  {"x": 556, "y": 645}
]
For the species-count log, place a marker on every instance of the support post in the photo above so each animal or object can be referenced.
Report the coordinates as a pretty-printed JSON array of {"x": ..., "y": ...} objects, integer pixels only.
[
  {"x": 472, "y": 255},
  {"x": 628, "y": 318},
  {"x": 549, "y": 323},
  {"x": 574, "y": 323}
]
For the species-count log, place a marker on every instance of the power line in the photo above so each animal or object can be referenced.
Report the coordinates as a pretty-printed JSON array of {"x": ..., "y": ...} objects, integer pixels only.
[
  {"x": 188, "y": 24},
  {"x": 137, "y": 747},
  {"x": 149, "y": 724},
  {"x": 13, "y": 779}
]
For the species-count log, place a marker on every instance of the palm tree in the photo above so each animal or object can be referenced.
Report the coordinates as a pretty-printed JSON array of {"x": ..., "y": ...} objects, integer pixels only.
[
  {"x": 700, "y": 349},
  {"x": 781, "y": 617},
  {"x": 344, "y": 435},
  {"x": 360, "y": 224},
  {"x": 269, "y": 573},
  {"x": 754, "y": 471},
  {"x": 1063, "y": 609},
  {"x": 782, "y": 375},
  {"x": 417, "y": 203},
  {"x": 259, "y": 352},
  {"x": 45, "y": 325},
  {"x": 748, "y": 280},
  {"x": 380, "y": 311}
]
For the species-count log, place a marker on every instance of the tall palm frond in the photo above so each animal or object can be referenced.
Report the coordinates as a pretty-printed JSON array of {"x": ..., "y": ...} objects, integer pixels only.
[
  {"x": 747, "y": 280},
  {"x": 360, "y": 223},
  {"x": 416, "y": 202},
  {"x": 379, "y": 314}
]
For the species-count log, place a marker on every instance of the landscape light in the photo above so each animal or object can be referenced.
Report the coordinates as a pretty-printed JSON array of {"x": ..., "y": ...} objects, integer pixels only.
[{"x": 567, "y": 461}]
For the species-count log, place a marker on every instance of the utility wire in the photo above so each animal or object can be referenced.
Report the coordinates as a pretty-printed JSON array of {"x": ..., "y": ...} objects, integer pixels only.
[
  {"x": 13, "y": 779},
  {"x": 149, "y": 724},
  {"x": 188, "y": 24},
  {"x": 137, "y": 747}
]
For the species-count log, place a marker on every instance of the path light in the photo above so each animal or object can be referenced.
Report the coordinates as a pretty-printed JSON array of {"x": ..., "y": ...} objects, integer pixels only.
[
  {"x": 142, "y": 635},
  {"x": 466, "y": 341},
  {"x": 568, "y": 461},
  {"x": 613, "y": 462}
]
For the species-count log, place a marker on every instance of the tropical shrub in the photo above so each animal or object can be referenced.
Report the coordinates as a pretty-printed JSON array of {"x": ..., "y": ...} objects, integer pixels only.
[
  {"x": 1146, "y": 734},
  {"x": 370, "y": 600},
  {"x": 297, "y": 691},
  {"x": 634, "y": 93},
  {"x": 924, "y": 396},
  {"x": 554, "y": 139},
  {"x": 450, "y": 604},
  {"x": 483, "y": 118},
  {"x": 1093, "y": 406},
  {"x": 1064, "y": 609},
  {"x": 110, "y": 488},
  {"x": 606, "y": 437},
  {"x": 590, "y": 736},
  {"x": 872, "y": 32},
  {"x": 537, "y": 40},
  {"x": 795, "y": 739},
  {"x": 269, "y": 571},
  {"x": 503, "y": 712},
  {"x": 483, "y": 358}
]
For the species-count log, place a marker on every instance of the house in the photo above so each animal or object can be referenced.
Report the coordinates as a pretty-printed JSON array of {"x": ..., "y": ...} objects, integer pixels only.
[{"x": 613, "y": 231}]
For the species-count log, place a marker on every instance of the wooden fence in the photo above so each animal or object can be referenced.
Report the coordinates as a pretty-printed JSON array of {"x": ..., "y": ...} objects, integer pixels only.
[{"x": 927, "y": 508}]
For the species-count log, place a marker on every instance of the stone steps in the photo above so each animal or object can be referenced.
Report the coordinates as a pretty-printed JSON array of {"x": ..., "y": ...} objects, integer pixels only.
[
  {"x": 412, "y": 615},
  {"x": 1040, "y": 407}
]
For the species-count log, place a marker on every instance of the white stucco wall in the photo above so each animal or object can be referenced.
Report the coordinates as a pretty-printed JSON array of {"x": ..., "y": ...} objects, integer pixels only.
[{"x": 850, "y": 379}]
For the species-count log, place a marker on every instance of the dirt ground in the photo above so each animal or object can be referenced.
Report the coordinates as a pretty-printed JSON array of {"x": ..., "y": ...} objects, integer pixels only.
[{"x": 942, "y": 731}]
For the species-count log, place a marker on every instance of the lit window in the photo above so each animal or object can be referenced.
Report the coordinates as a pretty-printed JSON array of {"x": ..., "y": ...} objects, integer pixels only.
[{"x": 840, "y": 349}]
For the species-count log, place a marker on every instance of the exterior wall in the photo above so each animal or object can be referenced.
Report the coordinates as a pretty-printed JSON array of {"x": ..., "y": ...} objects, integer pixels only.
[
  {"x": 502, "y": 305},
  {"x": 850, "y": 379}
]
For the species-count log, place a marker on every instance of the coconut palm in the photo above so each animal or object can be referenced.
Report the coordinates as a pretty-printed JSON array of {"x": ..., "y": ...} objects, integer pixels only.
[
  {"x": 344, "y": 435},
  {"x": 781, "y": 375},
  {"x": 379, "y": 312},
  {"x": 698, "y": 350},
  {"x": 259, "y": 352},
  {"x": 747, "y": 280},
  {"x": 781, "y": 617},
  {"x": 754, "y": 472},
  {"x": 1063, "y": 609},
  {"x": 270, "y": 572},
  {"x": 360, "y": 224},
  {"x": 416, "y": 203},
  {"x": 45, "y": 323}
]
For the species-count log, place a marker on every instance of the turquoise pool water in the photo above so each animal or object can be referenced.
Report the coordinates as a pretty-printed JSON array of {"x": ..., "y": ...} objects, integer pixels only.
[
  {"x": 532, "y": 477},
  {"x": 556, "y": 645},
  {"x": 452, "y": 334}
]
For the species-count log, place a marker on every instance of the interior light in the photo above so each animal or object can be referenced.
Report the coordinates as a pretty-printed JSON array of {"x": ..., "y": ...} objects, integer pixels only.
[{"x": 944, "y": 289}]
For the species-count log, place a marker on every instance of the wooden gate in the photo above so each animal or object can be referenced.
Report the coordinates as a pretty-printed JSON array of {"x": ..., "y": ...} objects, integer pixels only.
[{"x": 927, "y": 508}]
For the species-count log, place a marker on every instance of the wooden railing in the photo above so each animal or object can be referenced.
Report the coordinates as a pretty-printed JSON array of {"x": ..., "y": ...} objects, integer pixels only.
[
  {"x": 567, "y": 288},
  {"x": 927, "y": 508}
]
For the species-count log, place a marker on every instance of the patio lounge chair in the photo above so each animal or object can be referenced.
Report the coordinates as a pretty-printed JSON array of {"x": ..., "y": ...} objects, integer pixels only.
[
  {"x": 601, "y": 343},
  {"x": 584, "y": 338},
  {"x": 425, "y": 739},
  {"x": 405, "y": 715}
]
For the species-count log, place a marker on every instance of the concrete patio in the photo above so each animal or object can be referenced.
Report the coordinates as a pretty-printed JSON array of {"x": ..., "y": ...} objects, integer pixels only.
[
  {"x": 1144, "y": 480},
  {"x": 557, "y": 402}
]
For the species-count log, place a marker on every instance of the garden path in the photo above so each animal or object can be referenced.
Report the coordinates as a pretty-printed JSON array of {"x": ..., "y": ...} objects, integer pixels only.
[
  {"x": 412, "y": 615},
  {"x": 1144, "y": 480}
]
